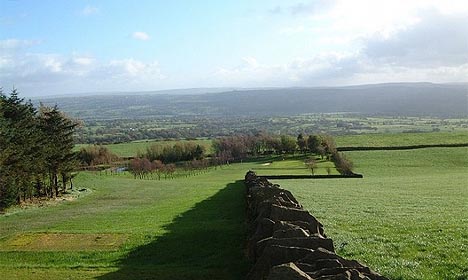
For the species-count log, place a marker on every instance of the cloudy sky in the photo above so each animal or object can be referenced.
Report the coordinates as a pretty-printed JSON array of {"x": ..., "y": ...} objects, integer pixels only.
[{"x": 61, "y": 47}]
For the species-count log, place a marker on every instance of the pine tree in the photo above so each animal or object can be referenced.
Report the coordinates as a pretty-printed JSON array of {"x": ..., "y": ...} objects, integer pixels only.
[
  {"x": 19, "y": 148},
  {"x": 58, "y": 131}
]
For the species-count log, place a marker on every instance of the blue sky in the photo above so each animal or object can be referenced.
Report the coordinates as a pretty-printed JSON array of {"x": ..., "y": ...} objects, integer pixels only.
[{"x": 61, "y": 47}]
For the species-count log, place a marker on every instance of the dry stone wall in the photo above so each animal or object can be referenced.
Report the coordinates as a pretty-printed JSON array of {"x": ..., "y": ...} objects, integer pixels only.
[{"x": 287, "y": 242}]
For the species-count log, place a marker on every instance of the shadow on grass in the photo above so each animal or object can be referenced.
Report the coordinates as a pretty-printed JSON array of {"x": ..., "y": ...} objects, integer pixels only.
[{"x": 206, "y": 242}]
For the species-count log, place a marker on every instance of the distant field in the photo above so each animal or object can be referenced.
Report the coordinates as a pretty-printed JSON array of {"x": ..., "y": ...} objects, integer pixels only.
[
  {"x": 408, "y": 216},
  {"x": 293, "y": 166},
  {"x": 401, "y": 139},
  {"x": 367, "y": 140},
  {"x": 132, "y": 148}
]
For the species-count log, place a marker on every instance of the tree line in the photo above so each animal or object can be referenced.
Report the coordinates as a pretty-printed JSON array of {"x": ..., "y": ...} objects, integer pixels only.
[
  {"x": 159, "y": 161},
  {"x": 180, "y": 151},
  {"x": 241, "y": 147},
  {"x": 36, "y": 150},
  {"x": 91, "y": 156}
]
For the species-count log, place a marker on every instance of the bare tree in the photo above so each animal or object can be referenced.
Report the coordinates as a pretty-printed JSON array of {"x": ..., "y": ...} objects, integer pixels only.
[{"x": 311, "y": 164}]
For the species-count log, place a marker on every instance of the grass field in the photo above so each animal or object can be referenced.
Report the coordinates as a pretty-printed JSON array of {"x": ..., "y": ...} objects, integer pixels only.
[
  {"x": 402, "y": 139},
  {"x": 173, "y": 229},
  {"x": 293, "y": 165},
  {"x": 408, "y": 216},
  {"x": 367, "y": 140},
  {"x": 132, "y": 148}
]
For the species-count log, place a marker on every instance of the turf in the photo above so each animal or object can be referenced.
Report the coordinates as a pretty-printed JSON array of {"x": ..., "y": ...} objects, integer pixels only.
[
  {"x": 186, "y": 228},
  {"x": 408, "y": 216}
]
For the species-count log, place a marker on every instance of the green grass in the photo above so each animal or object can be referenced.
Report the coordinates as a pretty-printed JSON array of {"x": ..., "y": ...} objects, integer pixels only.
[
  {"x": 408, "y": 216},
  {"x": 186, "y": 228},
  {"x": 402, "y": 139},
  {"x": 293, "y": 165},
  {"x": 132, "y": 148}
]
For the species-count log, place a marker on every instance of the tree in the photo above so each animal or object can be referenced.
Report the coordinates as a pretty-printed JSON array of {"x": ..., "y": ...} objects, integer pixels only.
[
  {"x": 342, "y": 163},
  {"x": 169, "y": 170},
  {"x": 57, "y": 129},
  {"x": 301, "y": 143},
  {"x": 198, "y": 153},
  {"x": 311, "y": 164},
  {"x": 135, "y": 168},
  {"x": 158, "y": 167},
  {"x": 313, "y": 143},
  {"x": 97, "y": 154},
  {"x": 321, "y": 151},
  {"x": 329, "y": 144},
  {"x": 30, "y": 143},
  {"x": 288, "y": 144},
  {"x": 21, "y": 158}
]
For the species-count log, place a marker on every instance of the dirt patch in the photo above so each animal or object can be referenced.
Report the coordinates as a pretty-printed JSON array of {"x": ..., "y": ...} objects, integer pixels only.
[{"x": 63, "y": 242}]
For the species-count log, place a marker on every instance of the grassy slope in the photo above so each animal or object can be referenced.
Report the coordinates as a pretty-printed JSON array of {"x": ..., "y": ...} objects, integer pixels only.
[
  {"x": 176, "y": 228},
  {"x": 401, "y": 139},
  {"x": 408, "y": 217}
]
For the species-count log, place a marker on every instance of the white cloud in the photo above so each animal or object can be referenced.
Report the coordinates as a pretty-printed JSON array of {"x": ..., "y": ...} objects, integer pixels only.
[
  {"x": 322, "y": 70},
  {"x": 251, "y": 61},
  {"x": 293, "y": 30},
  {"x": 36, "y": 73},
  {"x": 436, "y": 40},
  {"x": 139, "y": 35},
  {"x": 304, "y": 8},
  {"x": 83, "y": 60},
  {"x": 380, "y": 41},
  {"x": 89, "y": 10},
  {"x": 16, "y": 44},
  {"x": 432, "y": 49}
]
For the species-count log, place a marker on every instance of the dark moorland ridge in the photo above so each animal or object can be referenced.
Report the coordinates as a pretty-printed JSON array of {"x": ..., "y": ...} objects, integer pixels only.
[{"x": 409, "y": 99}]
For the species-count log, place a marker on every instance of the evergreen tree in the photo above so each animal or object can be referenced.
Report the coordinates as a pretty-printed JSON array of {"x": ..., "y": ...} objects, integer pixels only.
[
  {"x": 301, "y": 143},
  {"x": 60, "y": 158},
  {"x": 19, "y": 149}
]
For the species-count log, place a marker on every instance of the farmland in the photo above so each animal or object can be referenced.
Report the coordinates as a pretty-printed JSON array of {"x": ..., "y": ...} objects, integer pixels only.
[
  {"x": 407, "y": 219},
  {"x": 181, "y": 126},
  {"x": 402, "y": 139},
  {"x": 366, "y": 140},
  {"x": 408, "y": 216}
]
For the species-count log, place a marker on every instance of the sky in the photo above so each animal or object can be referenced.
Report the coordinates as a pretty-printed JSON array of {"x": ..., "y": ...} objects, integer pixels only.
[{"x": 67, "y": 47}]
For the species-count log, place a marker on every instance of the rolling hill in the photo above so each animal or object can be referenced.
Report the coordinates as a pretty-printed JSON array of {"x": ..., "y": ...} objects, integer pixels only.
[{"x": 408, "y": 99}]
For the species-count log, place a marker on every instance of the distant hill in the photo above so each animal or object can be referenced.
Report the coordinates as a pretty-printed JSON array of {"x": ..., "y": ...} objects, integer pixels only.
[{"x": 408, "y": 99}]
